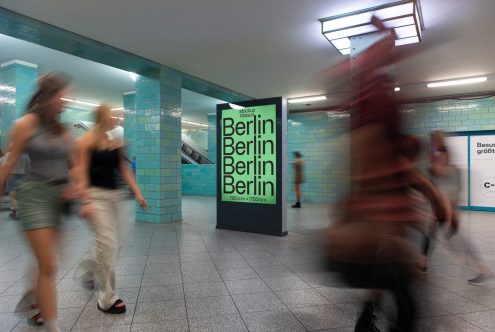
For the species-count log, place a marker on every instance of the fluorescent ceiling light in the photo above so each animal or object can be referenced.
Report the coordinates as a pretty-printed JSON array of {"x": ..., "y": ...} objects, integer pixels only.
[
  {"x": 406, "y": 31},
  {"x": 397, "y": 88},
  {"x": 341, "y": 43},
  {"x": 345, "y": 51},
  {"x": 117, "y": 109},
  {"x": 75, "y": 101},
  {"x": 133, "y": 76},
  {"x": 236, "y": 107},
  {"x": 457, "y": 82},
  {"x": 403, "y": 16},
  {"x": 405, "y": 41},
  {"x": 306, "y": 99},
  {"x": 194, "y": 123}
]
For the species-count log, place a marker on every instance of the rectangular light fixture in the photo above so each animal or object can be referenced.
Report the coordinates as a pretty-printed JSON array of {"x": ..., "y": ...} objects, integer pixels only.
[
  {"x": 117, "y": 109},
  {"x": 462, "y": 81},
  {"x": 397, "y": 89},
  {"x": 306, "y": 99},
  {"x": 403, "y": 16}
]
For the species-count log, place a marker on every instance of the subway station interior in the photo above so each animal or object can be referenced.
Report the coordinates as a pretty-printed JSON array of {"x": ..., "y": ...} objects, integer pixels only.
[{"x": 296, "y": 165}]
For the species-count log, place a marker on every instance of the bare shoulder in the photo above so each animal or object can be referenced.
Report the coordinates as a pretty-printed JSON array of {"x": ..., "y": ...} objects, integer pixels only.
[
  {"x": 26, "y": 125},
  {"x": 85, "y": 140},
  {"x": 28, "y": 121}
]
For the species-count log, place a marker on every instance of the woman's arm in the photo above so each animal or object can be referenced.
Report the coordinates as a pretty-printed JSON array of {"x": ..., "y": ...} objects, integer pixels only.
[
  {"x": 129, "y": 179},
  {"x": 21, "y": 132}
]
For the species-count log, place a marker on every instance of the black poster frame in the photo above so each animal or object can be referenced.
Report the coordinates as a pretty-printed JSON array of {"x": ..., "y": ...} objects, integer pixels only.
[{"x": 255, "y": 217}]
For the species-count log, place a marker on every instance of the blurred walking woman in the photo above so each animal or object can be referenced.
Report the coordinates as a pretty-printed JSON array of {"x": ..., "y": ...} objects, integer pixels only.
[
  {"x": 298, "y": 177},
  {"x": 42, "y": 192},
  {"x": 99, "y": 160}
]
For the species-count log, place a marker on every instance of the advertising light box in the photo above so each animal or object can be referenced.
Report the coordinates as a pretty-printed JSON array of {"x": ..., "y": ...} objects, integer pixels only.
[{"x": 251, "y": 171}]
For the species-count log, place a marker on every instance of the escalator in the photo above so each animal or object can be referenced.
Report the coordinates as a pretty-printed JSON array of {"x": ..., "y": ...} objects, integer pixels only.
[{"x": 191, "y": 153}]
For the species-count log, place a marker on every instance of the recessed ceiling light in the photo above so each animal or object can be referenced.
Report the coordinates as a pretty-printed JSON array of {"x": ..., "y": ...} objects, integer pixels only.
[
  {"x": 397, "y": 88},
  {"x": 457, "y": 82},
  {"x": 403, "y": 16},
  {"x": 303, "y": 100}
]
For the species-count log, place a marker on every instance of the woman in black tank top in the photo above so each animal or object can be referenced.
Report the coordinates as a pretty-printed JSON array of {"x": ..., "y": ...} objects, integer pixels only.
[{"x": 100, "y": 159}]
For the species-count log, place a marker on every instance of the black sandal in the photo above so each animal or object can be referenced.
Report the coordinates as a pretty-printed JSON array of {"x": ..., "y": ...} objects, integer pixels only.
[
  {"x": 114, "y": 309},
  {"x": 36, "y": 320}
]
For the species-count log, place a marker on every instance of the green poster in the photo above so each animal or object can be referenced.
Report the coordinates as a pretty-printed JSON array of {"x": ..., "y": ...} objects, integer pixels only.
[{"x": 249, "y": 155}]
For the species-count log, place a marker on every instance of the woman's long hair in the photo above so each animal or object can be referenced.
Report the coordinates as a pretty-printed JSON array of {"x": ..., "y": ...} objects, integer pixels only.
[
  {"x": 48, "y": 87},
  {"x": 102, "y": 117}
]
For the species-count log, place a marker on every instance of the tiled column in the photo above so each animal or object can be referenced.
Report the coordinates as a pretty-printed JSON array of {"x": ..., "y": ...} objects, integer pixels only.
[
  {"x": 17, "y": 84},
  {"x": 129, "y": 102},
  {"x": 156, "y": 136},
  {"x": 212, "y": 137}
]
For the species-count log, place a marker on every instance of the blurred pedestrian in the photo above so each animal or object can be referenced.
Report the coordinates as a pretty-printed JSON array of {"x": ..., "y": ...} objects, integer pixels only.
[
  {"x": 447, "y": 177},
  {"x": 46, "y": 185},
  {"x": 298, "y": 177},
  {"x": 99, "y": 159},
  {"x": 369, "y": 245}
]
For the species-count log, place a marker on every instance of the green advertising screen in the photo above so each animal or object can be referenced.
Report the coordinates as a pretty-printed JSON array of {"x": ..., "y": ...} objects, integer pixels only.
[{"x": 249, "y": 155}]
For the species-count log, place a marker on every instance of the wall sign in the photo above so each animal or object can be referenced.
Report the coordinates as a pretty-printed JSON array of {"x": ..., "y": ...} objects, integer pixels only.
[
  {"x": 251, "y": 169},
  {"x": 473, "y": 152}
]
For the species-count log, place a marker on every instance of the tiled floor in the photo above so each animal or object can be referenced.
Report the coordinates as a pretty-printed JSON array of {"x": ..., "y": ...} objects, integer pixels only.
[{"x": 191, "y": 277}]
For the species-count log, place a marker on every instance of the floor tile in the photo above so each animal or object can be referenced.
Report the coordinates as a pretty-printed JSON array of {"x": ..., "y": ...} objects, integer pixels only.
[
  {"x": 161, "y": 293},
  {"x": 168, "y": 326},
  {"x": 322, "y": 317},
  {"x": 155, "y": 312},
  {"x": 8, "y": 321},
  {"x": 246, "y": 286},
  {"x": 226, "y": 323},
  {"x": 257, "y": 302},
  {"x": 159, "y": 279},
  {"x": 301, "y": 298},
  {"x": 210, "y": 306},
  {"x": 286, "y": 283},
  {"x": 205, "y": 289},
  {"x": 272, "y": 321},
  {"x": 238, "y": 274}
]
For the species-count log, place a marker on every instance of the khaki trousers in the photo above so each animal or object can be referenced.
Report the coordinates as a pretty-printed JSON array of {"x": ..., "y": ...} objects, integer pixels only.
[{"x": 104, "y": 222}]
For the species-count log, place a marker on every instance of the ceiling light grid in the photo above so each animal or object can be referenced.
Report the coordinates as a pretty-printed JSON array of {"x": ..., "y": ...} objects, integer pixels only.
[{"x": 403, "y": 16}]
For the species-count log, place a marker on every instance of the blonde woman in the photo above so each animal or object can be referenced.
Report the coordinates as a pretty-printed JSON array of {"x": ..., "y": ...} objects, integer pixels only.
[{"x": 99, "y": 160}]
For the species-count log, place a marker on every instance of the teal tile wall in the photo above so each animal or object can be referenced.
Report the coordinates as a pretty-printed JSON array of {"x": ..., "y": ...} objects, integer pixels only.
[
  {"x": 199, "y": 180},
  {"x": 449, "y": 115},
  {"x": 23, "y": 80},
  {"x": 154, "y": 129},
  {"x": 323, "y": 141},
  {"x": 129, "y": 102},
  {"x": 212, "y": 137}
]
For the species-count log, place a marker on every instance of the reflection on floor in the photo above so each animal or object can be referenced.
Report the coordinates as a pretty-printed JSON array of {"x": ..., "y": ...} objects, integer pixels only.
[{"x": 191, "y": 277}]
